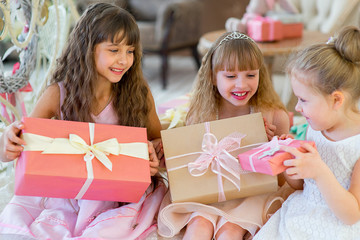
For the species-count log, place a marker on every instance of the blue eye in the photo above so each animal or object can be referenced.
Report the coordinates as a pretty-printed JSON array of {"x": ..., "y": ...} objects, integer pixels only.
[{"x": 113, "y": 50}]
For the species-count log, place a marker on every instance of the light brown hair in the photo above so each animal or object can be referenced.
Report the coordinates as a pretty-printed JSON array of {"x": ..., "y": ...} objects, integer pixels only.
[
  {"x": 335, "y": 65},
  {"x": 229, "y": 54}
]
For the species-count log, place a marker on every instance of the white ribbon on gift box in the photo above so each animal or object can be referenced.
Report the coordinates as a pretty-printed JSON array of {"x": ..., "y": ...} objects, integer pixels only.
[
  {"x": 274, "y": 147},
  {"x": 217, "y": 154},
  {"x": 76, "y": 145}
]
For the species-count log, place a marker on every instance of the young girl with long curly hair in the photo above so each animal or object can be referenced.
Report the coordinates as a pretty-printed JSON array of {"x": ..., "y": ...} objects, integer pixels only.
[
  {"x": 98, "y": 79},
  {"x": 232, "y": 81}
]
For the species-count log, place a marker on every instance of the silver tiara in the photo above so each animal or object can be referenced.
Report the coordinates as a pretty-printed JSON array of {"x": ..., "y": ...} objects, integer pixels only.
[
  {"x": 236, "y": 35},
  {"x": 331, "y": 40}
]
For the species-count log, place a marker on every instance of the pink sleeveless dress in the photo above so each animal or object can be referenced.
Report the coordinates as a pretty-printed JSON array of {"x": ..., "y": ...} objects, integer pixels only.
[{"x": 55, "y": 218}]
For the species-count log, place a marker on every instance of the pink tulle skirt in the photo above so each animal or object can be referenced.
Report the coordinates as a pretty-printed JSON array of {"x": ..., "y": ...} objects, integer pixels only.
[{"x": 56, "y": 218}]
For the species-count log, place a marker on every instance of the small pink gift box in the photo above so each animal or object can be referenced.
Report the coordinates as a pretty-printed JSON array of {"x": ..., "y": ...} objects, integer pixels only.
[
  {"x": 265, "y": 29},
  {"x": 268, "y": 158}
]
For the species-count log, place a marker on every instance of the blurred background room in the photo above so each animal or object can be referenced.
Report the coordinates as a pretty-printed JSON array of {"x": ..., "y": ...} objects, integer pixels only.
[
  {"x": 170, "y": 30},
  {"x": 175, "y": 34}
]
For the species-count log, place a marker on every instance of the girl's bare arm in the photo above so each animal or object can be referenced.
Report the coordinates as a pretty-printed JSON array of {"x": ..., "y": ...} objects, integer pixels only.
[
  {"x": 154, "y": 126},
  {"x": 48, "y": 105},
  {"x": 344, "y": 203}
]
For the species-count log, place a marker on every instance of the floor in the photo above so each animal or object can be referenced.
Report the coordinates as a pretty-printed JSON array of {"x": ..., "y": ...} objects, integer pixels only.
[{"x": 182, "y": 72}]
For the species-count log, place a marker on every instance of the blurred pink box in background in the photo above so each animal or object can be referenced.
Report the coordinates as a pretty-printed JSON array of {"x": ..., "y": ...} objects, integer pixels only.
[
  {"x": 265, "y": 29},
  {"x": 177, "y": 102},
  {"x": 293, "y": 30}
]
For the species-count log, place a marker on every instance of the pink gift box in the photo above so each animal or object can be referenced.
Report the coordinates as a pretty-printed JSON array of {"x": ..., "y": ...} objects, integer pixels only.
[
  {"x": 265, "y": 159},
  {"x": 264, "y": 29},
  {"x": 42, "y": 171},
  {"x": 293, "y": 30}
]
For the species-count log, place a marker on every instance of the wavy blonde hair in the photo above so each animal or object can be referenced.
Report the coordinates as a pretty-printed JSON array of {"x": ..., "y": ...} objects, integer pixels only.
[
  {"x": 229, "y": 54},
  {"x": 335, "y": 64},
  {"x": 76, "y": 67}
]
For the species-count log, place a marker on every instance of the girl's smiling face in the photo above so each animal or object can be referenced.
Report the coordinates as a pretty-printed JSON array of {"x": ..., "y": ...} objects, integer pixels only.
[
  {"x": 237, "y": 87},
  {"x": 312, "y": 104},
  {"x": 113, "y": 60}
]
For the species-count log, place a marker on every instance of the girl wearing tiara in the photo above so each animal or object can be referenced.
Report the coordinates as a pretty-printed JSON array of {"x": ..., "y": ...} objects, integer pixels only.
[
  {"x": 325, "y": 79},
  {"x": 232, "y": 81}
]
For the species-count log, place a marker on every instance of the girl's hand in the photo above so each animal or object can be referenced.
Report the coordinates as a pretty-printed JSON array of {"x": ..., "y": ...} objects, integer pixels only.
[
  {"x": 270, "y": 129},
  {"x": 304, "y": 165},
  {"x": 154, "y": 161},
  {"x": 285, "y": 136},
  {"x": 11, "y": 142},
  {"x": 159, "y": 151}
]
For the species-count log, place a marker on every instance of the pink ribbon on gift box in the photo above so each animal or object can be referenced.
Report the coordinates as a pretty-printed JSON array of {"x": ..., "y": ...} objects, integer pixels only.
[
  {"x": 217, "y": 155},
  {"x": 274, "y": 147}
]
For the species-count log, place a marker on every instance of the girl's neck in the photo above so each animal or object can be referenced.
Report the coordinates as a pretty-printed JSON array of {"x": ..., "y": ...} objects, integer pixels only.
[
  {"x": 345, "y": 127},
  {"x": 103, "y": 96},
  {"x": 102, "y": 88},
  {"x": 224, "y": 111}
]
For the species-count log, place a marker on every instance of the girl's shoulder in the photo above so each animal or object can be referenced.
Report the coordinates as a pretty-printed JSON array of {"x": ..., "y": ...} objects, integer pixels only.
[
  {"x": 48, "y": 105},
  {"x": 54, "y": 88}
]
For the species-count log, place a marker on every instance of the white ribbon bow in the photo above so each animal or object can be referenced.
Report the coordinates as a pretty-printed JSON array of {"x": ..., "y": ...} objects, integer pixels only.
[
  {"x": 274, "y": 147},
  {"x": 99, "y": 150},
  {"x": 76, "y": 145}
]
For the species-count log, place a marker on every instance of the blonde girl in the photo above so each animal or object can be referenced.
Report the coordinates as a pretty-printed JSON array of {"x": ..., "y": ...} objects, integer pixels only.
[
  {"x": 228, "y": 57},
  {"x": 326, "y": 80},
  {"x": 98, "y": 79},
  {"x": 232, "y": 81}
]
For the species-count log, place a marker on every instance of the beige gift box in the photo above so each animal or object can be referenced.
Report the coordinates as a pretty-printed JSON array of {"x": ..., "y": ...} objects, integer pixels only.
[{"x": 183, "y": 145}]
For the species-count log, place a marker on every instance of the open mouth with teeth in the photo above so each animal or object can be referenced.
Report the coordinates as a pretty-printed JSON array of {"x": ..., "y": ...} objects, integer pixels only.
[
  {"x": 239, "y": 95},
  {"x": 116, "y": 70}
]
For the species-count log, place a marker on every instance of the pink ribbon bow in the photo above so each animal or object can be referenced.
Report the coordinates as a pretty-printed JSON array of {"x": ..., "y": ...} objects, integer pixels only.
[{"x": 217, "y": 154}]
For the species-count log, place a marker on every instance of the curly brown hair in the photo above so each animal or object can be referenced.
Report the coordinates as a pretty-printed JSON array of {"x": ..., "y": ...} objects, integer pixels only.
[
  {"x": 76, "y": 66},
  {"x": 243, "y": 54}
]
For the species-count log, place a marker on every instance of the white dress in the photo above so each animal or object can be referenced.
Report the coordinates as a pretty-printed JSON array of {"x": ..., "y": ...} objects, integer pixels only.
[{"x": 305, "y": 214}]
